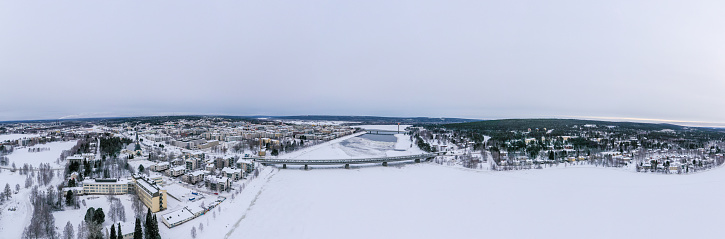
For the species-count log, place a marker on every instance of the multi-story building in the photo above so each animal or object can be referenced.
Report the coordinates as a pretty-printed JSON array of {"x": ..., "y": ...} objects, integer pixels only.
[
  {"x": 148, "y": 191},
  {"x": 107, "y": 186},
  {"x": 232, "y": 173},
  {"x": 218, "y": 183},
  {"x": 151, "y": 195},
  {"x": 176, "y": 171},
  {"x": 161, "y": 166},
  {"x": 194, "y": 177}
]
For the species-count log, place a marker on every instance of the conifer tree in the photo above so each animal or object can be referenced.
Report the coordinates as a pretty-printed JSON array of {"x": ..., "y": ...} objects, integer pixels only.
[
  {"x": 119, "y": 233},
  {"x": 113, "y": 231},
  {"x": 138, "y": 233}
]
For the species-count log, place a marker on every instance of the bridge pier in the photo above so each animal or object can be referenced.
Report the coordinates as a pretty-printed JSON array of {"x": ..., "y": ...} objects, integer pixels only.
[
  {"x": 284, "y": 166},
  {"x": 417, "y": 160},
  {"x": 385, "y": 164},
  {"x": 305, "y": 166},
  {"x": 347, "y": 166}
]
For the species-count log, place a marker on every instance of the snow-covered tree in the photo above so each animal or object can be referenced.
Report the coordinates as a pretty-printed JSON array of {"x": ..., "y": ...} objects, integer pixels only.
[{"x": 68, "y": 231}]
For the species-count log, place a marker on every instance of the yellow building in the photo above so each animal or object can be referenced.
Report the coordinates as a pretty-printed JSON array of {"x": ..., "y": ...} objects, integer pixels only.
[{"x": 150, "y": 194}]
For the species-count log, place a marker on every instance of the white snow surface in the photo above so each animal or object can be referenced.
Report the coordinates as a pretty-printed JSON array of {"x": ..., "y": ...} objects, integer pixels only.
[
  {"x": 431, "y": 201},
  {"x": 382, "y": 127},
  {"x": 21, "y": 155},
  {"x": 5, "y": 137},
  {"x": 351, "y": 146}
]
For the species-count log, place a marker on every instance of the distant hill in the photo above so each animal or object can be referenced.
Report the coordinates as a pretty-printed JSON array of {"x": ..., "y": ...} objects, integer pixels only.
[
  {"x": 377, "y": 119},
  {"x": 525, "y": 124}
]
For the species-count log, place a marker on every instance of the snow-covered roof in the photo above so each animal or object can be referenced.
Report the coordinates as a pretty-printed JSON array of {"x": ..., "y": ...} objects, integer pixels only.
[{"x": 178, "y": 215}]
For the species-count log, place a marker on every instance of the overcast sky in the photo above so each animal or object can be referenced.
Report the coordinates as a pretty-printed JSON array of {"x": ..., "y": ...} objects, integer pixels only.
[{"x": 471, "y": 59}]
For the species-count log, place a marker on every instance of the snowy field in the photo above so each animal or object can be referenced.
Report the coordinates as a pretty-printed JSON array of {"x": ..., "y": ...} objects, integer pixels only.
[
  {"x": 382, "y": 127},
  {"x": 430, "y": 201},
  {"x": 12, "y": 223},
  {"x": 5, "y": 137},
  {"x": 75, "y": 216},
  {"x": 356, "y": 147},
  {"x": 21, "y": 155}
]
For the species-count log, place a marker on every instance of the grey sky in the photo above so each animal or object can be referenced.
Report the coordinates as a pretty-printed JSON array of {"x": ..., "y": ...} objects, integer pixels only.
[{"x": 473, "y": 59}]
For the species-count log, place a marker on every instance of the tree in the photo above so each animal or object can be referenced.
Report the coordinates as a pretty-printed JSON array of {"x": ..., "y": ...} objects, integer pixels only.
[
  {"x": 8, "y": 192},
  {"x": 99, "y": 217},
  {"x": 140, "y": 168},
  {"x": 146, "y": 228},
  {"x": 69, "y": 198},
  {"x": 275, "y": 152},
  {"x": 28, "y": 182},
  {"x": 113, "y": 231},
  {"x": 82, "y": 231},
  {"x": 68, "y": 231},
  {"x": 138, "y": 232},
  {"x": 201, "y": 227},
  {"x": 17, "y": 187},
  {"x": 119, "y": 233},
  {"x": 89, "y": 214},
  {"x": 193, "y": 232},
  {"x": 155, "y": 228}
]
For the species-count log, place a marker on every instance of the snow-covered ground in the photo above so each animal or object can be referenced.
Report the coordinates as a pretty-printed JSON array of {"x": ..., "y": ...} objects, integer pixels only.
[
  {"x": 12, "y": 223},
  {"x": 382, "y": 127},
  {"x": 5, "y": 137},
  {"x": 431, "y": 201},
  {"x": 316, "y": 122},
  {"x": 356, "y": 147},
  {"x": 21, "y": 155},
  {"x": 75, "y": 216},
  {"x": 223, "y": 220}
]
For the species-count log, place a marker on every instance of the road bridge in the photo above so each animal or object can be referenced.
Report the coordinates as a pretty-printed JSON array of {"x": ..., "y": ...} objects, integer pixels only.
[{"x": 384, "y": 160}]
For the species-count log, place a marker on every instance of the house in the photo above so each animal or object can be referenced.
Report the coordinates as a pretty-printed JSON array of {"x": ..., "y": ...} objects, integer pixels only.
[{"x": 75, "y": 159}]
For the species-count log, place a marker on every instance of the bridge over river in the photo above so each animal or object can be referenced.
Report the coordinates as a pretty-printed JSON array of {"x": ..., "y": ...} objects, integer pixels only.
[{"x": 384, "y": 160}]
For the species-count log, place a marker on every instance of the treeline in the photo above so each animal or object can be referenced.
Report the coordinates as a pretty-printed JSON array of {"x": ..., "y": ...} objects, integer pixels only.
[
  {"x": 111, "y": 146},
  {"x": 42, "y": 223}
]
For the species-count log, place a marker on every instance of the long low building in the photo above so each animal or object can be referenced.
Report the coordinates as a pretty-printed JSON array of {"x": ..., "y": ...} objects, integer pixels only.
[
  {"x": 179, "y": 216},
  {"x": 107, "y": 186}
]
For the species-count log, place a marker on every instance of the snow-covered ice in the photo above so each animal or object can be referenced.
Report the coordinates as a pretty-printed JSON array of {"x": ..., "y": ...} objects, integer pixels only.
[
  {"x": 431, "y": 201},
  {"x": 382, "y": 127},
  {"x": 356, "y": 147}
]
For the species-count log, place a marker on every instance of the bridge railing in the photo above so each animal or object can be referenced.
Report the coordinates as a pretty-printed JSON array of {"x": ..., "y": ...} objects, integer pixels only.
[{"x": 341, "y": 161}]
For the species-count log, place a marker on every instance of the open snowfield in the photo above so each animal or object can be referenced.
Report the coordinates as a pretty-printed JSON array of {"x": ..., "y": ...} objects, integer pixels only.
[
  {"x": 75, "y": 216},
  {"x": 382, "y": 127},
  {"x": 5, "y": 137},
  {"x": 356, "y": 147},
  {"x": 12, "y": 223},
  {"x": 21, "y": 155},
  {"x": 431, "y": 201}
]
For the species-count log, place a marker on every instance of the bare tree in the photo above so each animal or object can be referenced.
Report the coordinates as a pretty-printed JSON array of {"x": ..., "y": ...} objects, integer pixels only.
[
  {"x": 68, "y": 231},
  {"x": 193, "y": 232}
]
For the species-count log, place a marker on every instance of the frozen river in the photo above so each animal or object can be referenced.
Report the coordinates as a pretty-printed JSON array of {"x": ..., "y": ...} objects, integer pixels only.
[{"x": 431, "y": 201}]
